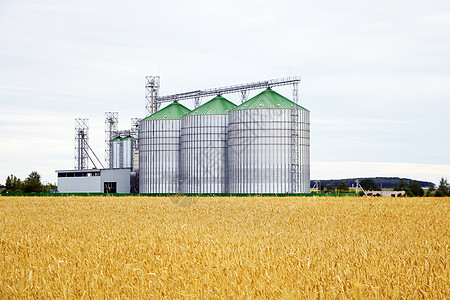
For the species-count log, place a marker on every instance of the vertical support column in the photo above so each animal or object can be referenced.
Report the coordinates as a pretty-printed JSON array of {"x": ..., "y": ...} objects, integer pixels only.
[
  {"x": 151, "y": 94},
  {"x": 135, "y": 131},
  {"x": 295, "y": 92},
  {"x": 135, "y": 127},
  {"x": 295, "y": 168},
  {"x": 244, "y": 95},
  {"x": 295, "y": 179},
  {"x": 197, "y": 101},
  {"x": 81, "y": 142},
  {"x": 111, "y": 124}
]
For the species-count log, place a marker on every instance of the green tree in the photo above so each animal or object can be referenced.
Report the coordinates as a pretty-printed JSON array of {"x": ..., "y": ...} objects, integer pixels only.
[
  {"x": 32, "y": 183},
  {"x": 369, "y": 185},
  {"x": 400, "y": 186},
  {"x": 343, "y": 186},
  {"x": 415, "y": 188},
  {"x": 408, "y": 192},
  {"x": 439, "y": 193},
  {"x": 444, "y": 187},
  {"x": 431, "y": 188},
  {"x": 13, "y": 185},
  {"x": 330, "y": 187},
  {"x": 48, "y": 187},
  {"x": 321, "y": 188}
]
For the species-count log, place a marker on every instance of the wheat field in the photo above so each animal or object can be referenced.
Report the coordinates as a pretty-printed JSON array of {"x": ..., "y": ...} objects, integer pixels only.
[{"x": 224, "y": 247}]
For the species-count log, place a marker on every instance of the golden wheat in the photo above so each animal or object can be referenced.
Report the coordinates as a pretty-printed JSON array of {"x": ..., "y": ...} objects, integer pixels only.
[{"x": 200, "y": 247}]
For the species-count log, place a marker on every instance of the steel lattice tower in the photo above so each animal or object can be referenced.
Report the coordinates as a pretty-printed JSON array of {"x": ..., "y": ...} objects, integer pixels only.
[
  {"x": 81, "y": 143},
  {"x": 151, "y": 94},
  {"x": 134, "y": 132},
  {"x": 111, "y": 125}
]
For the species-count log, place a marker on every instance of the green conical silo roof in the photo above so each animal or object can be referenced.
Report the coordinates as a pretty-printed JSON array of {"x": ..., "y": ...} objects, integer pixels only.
[
  {"x": 173, "y": 111},
  {"x": 216, "y": 106},
  {"x": 128, "y": 138},
  {"x": 116, "y": 139},
  {"x": 269, "y": 99}
]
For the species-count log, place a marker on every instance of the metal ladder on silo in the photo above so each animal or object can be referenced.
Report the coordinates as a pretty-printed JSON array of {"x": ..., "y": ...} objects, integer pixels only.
[{"x": 295, "y": 169}]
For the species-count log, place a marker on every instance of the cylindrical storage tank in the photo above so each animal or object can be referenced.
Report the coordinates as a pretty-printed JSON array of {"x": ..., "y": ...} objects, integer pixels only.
[
  {"x": 127, "y": 152},
  {"x": 204, "y": 148},
  {"x": 268, "y": 146},
  {"x": 116, "y": 152},
  {"x": 159, "y": 150}
]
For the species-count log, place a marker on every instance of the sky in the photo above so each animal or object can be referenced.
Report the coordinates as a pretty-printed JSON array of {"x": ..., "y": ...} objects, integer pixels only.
[{"x": 375, "y": 74}]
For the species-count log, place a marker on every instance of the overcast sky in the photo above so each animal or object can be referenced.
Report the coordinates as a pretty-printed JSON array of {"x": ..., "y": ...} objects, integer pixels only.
[{"x": 375, "y": 74}]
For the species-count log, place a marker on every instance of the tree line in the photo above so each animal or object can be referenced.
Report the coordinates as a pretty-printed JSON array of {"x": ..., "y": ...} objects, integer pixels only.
[
  {"x": 342, "y": 186},
  {"x": 385, "y": 182},
  {"x": 413, "y": 189},
  {"x": 31, "y": 184}
]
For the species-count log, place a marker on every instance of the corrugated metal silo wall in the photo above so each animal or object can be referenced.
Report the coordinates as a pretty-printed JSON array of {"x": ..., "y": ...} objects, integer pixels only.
[
  {"x": 204, "y": 154},
  {"x": 159, "y": 154},
  {"x": 116, "y": 154},
  {"x": 127, "y": 150},
  {"x": 260, "y": 145}
]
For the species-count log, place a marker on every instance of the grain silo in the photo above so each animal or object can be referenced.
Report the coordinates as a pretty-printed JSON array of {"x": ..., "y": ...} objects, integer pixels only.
[
  {"x": 268, "y": 146},
  {"x": 204, "y": 148},
  {"x": 127, "y": 152},
  {"x": 116, "y": 152},
  {"x": 159, "y": 150}
]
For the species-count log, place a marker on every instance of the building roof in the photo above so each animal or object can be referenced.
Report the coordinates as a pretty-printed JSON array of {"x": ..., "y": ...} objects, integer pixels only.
[
  {"x": 216, "y": 106},
  {"x": 128, "y": 138},
  {"x": 173, "y": 111},
  {"x": 78, "y": 171},
  {"x": 269, "y": 99}
]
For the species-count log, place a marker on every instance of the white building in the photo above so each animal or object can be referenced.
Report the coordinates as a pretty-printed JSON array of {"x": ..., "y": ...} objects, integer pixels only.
[
  {"x": 385, "y": 193},
  {"x": 96, "y": 181}
]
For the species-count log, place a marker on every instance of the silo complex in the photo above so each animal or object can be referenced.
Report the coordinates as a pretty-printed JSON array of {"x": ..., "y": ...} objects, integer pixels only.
[
  {"x": 159, "y": 150},
  {"x": 203, "y": 164},
  {"x": 268, "y": 146}
]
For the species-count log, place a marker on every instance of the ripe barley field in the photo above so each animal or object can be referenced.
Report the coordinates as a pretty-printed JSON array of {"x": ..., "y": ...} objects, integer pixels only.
[{"x": 225, "y": 247}]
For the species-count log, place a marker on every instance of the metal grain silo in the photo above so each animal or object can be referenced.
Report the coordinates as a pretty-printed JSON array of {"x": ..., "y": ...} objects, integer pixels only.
[
  {"x": 127, "y": 152},
  {"x": 159, "y": 150},
  {"x": 268, "y": 146},
  {"x": 116, "y": 152},
  {"x": 204, "y": 148}
]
